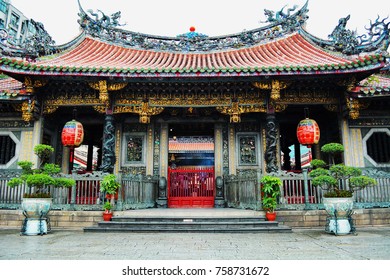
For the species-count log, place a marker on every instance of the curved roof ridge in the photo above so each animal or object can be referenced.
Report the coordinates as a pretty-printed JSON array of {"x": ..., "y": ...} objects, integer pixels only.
[{"x": 107, "y": 28}]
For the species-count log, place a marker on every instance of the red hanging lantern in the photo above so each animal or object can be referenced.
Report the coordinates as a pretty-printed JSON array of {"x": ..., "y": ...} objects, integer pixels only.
[
  {"x": 308, "y": 132},
  {"x": 72, "y": 134}
]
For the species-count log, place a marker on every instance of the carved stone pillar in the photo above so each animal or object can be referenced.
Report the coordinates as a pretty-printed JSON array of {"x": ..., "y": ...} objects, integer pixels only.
[
  {"x": 271, "y": 144},
  {"x": 108, "y": 154}
]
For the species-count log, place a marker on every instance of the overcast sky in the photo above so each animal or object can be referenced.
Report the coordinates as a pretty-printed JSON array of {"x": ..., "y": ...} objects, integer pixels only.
[{"x": 210, "y": 17}]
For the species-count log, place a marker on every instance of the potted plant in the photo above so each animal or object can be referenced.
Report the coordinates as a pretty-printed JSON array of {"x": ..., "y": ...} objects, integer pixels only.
[
  {"x": 109, "y": 186},
  {"x": 36, "y": 203},
  {"x": 270, "y": 190},
  {"x": 107, "y": 214},
  {"x": 339, "y": 183}
]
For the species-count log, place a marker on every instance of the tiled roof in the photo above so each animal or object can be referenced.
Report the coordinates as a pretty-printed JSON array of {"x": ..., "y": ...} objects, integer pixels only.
[
  {"x": 290, "y": 55},
  {"x": 375, "y": 85},
  {"x": 11, "y": 88}
]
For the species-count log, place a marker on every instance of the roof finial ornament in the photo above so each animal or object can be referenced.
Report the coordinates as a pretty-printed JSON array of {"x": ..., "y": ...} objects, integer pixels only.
[
  {"x": 344, "y": 39},
  {"x": 347, "y": 42},
  {"x": 289, "y": 20},
  {"x": 95, "y": 22}
]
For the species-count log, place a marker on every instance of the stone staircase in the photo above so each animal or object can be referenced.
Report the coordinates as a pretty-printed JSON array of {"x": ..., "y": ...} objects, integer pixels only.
[{"x": 186, "y": 220}]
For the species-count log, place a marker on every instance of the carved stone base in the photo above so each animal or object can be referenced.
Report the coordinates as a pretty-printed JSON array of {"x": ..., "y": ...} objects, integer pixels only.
[
  {"x": 219, "y": 203},
  {"x": 162, "y": 203}
]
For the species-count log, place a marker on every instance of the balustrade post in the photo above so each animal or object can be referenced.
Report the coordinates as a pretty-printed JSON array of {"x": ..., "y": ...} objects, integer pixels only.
[
  {"x": 119, "y": 203},
  {"x": 149, "y": 191},
  {"x": 73, "y": 194},
  {"x": 219, "y": 199},
  {"x": 306, "y": 188},
  {"x": 162, "y": 201}
]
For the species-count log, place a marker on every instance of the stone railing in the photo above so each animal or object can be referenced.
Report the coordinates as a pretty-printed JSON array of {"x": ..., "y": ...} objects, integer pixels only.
[
  {"x": 136, "y": 192},
  {"x": 242, "y": 191}
]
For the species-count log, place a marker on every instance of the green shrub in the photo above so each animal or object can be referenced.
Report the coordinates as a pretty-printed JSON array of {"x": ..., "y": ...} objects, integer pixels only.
[
  {"x": 43, "y": 177},
  {"x": 331, "y": 180}
]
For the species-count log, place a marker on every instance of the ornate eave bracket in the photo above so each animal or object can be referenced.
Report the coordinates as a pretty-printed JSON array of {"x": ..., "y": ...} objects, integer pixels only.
[
  {"x": 29, "y": 109},
  {"x": 275, "y": 86},
  {"x": 143, "y": 110},
  {"x": 235, "y": 110},
  {"x": 31, "y": 84},
  {"x": 354, "y": 107},
  {"x": 103, "y": 87}
]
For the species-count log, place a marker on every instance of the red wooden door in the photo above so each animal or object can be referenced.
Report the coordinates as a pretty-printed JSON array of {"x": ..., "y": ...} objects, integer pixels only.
[{"x": 191, "y": 187}]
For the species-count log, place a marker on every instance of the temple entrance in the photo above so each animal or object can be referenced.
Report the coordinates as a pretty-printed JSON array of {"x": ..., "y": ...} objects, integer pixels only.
[{"x": 191, "y": 165}]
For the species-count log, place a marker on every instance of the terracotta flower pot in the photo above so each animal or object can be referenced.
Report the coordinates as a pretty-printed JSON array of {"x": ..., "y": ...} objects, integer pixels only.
[
  {"x": 270, "y": 216},
  {"x": 107, "y": 216}
]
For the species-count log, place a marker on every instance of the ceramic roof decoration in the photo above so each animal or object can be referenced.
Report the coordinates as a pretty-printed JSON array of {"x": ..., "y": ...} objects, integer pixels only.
[
  {"x": 12, "y": 89},
  {"x": 281, "y": 48},
  {"x": 373, "y": 86}
]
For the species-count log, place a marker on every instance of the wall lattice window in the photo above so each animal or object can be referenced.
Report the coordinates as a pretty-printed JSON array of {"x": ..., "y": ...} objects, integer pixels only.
[
  {"x": 9, "y": 149},
  {"x": 377, "y": 147}
]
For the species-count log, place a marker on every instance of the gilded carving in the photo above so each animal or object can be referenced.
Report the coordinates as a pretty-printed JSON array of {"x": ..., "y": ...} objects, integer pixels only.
[
  {"x": 192, "y": 101},
  {"x": 49, "y": 109},
  {"x": 103, "y": 87},
  {"x": 353, "y": 107},
  {"x": 349, "y": 83},
  {"x": 52, "y": 103},
  {"x": 144, "y": 111},
  {"x": 235, "y": 110},
  {"x": 28, "y": 110},
  {"x": 100, "y": 109},
  {"x": 30, "y": 84},
  {"x": 116, "y": 86},
  {"x": 275, "y": 86}
]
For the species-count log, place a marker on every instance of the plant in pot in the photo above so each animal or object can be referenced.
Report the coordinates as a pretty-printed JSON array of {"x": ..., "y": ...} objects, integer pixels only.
[
  {"x": 339, "y": 183},
  {"x": 110, "y": 186},
  {"x": 36, "y": 203},
  {"x": 107, "y": 214},
  {"x": 270, "y": 190}
]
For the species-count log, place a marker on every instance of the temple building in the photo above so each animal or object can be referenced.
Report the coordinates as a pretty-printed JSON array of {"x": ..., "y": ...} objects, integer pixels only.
[{"x": 167, "y": 107}]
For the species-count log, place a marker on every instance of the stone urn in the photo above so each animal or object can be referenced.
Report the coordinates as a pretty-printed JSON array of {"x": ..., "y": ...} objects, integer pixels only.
[{"x": 339, "y": 210}]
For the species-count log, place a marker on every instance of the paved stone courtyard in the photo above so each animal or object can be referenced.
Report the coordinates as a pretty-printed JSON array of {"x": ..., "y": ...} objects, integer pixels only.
[{"x": 369, "y": 243}]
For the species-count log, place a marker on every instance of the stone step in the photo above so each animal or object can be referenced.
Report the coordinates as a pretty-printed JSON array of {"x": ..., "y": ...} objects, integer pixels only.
[
  {"x": 186, "y": 219},
  {"x": 192, "y": 224},
  {"x": 281, "y": 229}
]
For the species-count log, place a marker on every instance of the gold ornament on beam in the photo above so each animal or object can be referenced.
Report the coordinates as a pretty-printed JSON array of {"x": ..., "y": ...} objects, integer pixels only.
[
  {"x": 144, "y": 111},
  {"x": 49, "y": 109},
  {"x": 349, "y": 83},
  {"x": 28, "y": 110},
  {"x": 31, "y": 85},
  {"x": 234, "y": 111},
  {"x": 103, "y": 89},
  {"x": 353, "y": 107},
  {"x": 275, "y": 86}
]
